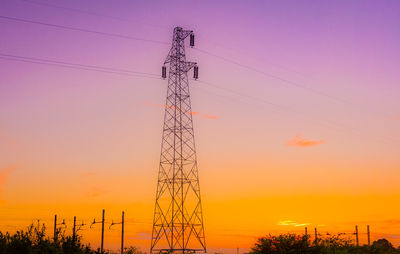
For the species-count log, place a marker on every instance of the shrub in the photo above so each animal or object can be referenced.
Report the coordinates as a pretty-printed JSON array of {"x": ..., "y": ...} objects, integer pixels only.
[{"x": 296, "y": 244}]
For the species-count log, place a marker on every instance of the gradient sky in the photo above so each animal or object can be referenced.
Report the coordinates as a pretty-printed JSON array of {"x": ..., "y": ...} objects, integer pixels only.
[{"x": 298, "y": 119}]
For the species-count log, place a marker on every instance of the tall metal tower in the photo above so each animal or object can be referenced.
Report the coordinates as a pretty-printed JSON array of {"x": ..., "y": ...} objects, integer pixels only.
[{"x": 178, "y": 219}]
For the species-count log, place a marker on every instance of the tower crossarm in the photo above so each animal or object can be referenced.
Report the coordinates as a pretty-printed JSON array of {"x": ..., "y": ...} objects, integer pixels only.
[{"x": 188, "y": 65}]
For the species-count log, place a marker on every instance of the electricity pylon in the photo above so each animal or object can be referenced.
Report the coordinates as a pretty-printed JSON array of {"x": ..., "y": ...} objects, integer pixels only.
[{"x": 178, "y": 219}]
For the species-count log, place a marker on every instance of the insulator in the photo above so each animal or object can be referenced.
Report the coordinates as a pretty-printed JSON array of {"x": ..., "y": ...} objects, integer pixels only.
[
  {"x": 196, "y": 72},
  {"x": 191, "y": 40},
  {"x": 164, "y": 72}
]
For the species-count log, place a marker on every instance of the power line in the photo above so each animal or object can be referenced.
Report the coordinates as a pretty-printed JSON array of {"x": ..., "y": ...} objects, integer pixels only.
[
  {"x": 43, "y": 62},
  {"x": 123, "y": 19},
  {"x": 259, "y": 59},
  {"x": 81, "y": 29},
  {"x": 128, "y": 20},
  {"x": 292, "y": 83},
  {"x": 271, "y": 75},
  {"x": 140, "y": 22},
  {"x": 80, "y": 65},
  {"x": 91, "y": 13},
  {"x": 95, "y": 68},
  {"x": 295, "y": 84},
  {"x": 323, "y": 122},
  {"x": 238, "y": 93}
]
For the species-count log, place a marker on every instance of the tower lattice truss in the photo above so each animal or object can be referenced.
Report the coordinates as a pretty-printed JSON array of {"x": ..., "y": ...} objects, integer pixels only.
[{"x": 178, "y": 219}]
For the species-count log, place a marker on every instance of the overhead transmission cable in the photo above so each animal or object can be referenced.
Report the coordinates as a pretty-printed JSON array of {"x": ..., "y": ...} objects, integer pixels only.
[
  {"x": 64, "y": 64},
  {"x": 81, "y": 29},
  {"x": 91, "y": 13},
  {"x": 80, "y": 65},
  {"x": 76, "y": 66},
  {"x": 117, "y": 71},
  {"x": 326, "y": 123},
  {"x": 136, "y": 21},
  {"x": 223, "y": 58},
  {"x": 292, "y": 83}
]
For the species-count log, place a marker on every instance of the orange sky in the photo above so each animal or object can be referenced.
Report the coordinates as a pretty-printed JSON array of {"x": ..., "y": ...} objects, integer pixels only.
[{"x": 241, "y": 202}]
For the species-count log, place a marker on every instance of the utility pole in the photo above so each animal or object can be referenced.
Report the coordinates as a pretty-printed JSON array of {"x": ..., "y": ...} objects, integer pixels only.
[
  {"x": 357, "y": 235},
  {"x": 102, "y": 229},
  {"x": 102, "y": 232},
  {"x": 316, "y": 234},
  {"x": 55, "y": 227},
  {"x": 178, "y": 218},
  {"x": 122, "y": 230},
  {"x": 306, "y": 233},
  {"x": 369, "y": 236},
  {"x": 74, "y": 230}
]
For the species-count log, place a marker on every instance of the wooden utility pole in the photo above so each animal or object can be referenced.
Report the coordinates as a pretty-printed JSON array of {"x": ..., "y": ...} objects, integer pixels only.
[
  {"x": 122, "y": 234},
  {"x": 369, "y": 236},
  {"x": 74, "y": 231},
  {"x": 306, "y": 233},
  {"x": 316, "y": 234},
  {"x": 357, "y": 236},
  {"x": 122, "y": 230},
  {"x": 102, "y": 233},
  {"x": 55, "y": 227}
]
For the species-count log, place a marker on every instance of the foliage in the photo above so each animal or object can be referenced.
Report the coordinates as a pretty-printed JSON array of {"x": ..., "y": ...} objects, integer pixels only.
[
  {"x": 133, "y": 250},
  {"x": 34, "y": 240},
  {"x": 296, "y": 244}
]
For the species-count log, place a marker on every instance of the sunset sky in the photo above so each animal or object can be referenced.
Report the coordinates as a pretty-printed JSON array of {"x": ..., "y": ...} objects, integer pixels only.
[{"x": 297, "y": 115}]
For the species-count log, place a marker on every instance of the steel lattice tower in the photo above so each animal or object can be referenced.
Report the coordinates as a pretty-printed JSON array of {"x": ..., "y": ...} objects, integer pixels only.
[{"x": 178, "y": 219}]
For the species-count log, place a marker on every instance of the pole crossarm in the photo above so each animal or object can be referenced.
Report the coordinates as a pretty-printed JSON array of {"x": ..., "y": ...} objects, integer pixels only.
[
  {"x": 95, "y": 222},
  {"x": 62, "y": 223},
  {"x": 114, "y": 223},
  {"x": 79, "y": 227}
]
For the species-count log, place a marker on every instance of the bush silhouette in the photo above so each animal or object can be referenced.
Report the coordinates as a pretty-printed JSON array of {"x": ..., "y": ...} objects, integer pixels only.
[
  {"x": 34, "y": 240},
  {"x": 301, "y": 244}
]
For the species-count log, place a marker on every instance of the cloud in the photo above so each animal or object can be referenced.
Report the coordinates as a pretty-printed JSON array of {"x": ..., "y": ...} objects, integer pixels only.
[
  {"x": 298, "y": 141},
  {"x": 292, "y": 223},
  {"x": 396, "y": 118},
  {"x": 210, "y": 117},
  {"x": 96, "y": 191},
  {"x": 193, "y": 113},
  {"x": 4, "y": 173}
]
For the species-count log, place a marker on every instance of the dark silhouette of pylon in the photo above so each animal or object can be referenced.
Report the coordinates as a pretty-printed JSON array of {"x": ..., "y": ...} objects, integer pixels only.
[{"x": 178, "y": 219}]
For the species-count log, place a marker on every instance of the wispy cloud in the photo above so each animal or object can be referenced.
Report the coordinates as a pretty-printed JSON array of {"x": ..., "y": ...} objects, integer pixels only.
[
  {"x": 299, "y": 141},
  {"x": 96, "y": 191},
  {"x": 210, "y": 117},
  {"x": 193, "y": 113},
  {"x": 292, "y": 223},
  {"x": 4, "y": 173}
]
